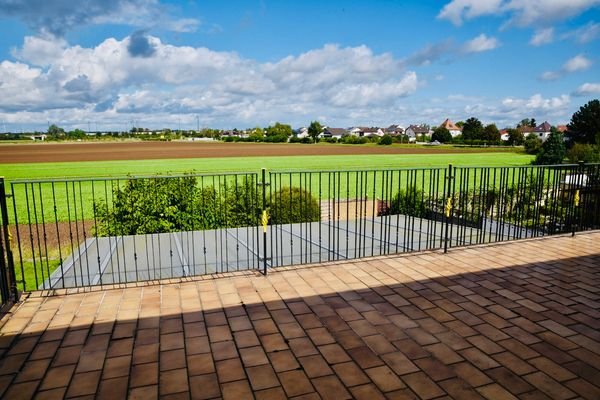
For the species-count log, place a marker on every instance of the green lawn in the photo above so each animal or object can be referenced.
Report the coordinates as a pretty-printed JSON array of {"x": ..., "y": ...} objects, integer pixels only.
[{"x": 247, "y": 164}]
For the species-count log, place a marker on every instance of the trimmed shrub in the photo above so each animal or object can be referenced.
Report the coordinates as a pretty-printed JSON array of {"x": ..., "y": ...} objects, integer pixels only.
[
  {"x": 409, "y": 201},
  {"x": 292, "y": 205}
]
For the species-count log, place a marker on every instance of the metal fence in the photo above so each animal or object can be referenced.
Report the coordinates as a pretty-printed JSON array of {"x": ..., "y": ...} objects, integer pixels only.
[{"x": 82, "y": 232}]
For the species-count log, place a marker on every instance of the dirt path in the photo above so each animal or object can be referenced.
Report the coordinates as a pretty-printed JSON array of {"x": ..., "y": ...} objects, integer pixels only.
[{"x": 137, "y": 150}]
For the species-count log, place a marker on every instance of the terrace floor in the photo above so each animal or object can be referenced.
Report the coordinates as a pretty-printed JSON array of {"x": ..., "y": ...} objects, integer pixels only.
[{"x": 519, "y": 319}]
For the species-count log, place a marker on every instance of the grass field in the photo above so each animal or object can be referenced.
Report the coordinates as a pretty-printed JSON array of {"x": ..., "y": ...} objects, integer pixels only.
[{"x": 245, "y": 164}]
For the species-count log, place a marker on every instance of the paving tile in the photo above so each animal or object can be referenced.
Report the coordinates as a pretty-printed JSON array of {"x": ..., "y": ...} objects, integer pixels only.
[
  {"x": 385, "y": 379},
  {"x": 253, "y": 356},
  {"x": 295, "y": 383},
  {"x": 173, "y": 381},
  {"x": 204, "y": 386},
  {"x": 283, "y": 361},
  {"x": 85, "y": 383},
  {"x": 57, "y": 377},
  {"x": 237, "y": 390},
  {"x": 262, "y": 377},
  {"x": 111, "y": 389},
  {"x": 350, "y": 374},
  {"x": 330, "y": 387},
  {"x": 144, "y": 374},
  {"x": 315, "y": 366},
  {"x": 230, "y": 370}
]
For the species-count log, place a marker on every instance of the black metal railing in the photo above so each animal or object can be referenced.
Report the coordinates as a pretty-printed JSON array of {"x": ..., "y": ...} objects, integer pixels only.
[{"x": 82, "y": 232}]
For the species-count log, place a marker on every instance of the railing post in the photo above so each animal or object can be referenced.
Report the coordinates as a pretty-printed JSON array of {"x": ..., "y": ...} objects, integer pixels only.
[
  {"x": 448, "y": 206},
  {"x": 577, "y": 217},
  {"x": 265, "y": 218},
  {"x": 9, "y": 269}
]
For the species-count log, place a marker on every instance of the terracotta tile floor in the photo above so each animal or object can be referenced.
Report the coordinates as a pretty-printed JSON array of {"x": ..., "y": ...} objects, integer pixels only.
[{"x": 514, "y": 320}]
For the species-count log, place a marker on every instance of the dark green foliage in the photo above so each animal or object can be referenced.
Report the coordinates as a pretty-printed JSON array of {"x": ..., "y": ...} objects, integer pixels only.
[
  {"x": 584, "y": 152},
  {"x": 148, "y": 206},
  {"x": 160, "y": 205},
  {"x": 532, "y": 144},
  {"x": 279, "y": 130},
  {"x": 585, "y": 124},
  {"x": 293, "y": 204},
  {"x": 491, "y": 134},
  {"x": 472, "y": 129},
  {"x": 515, "y": 137},
  {"x": 314, "y": 130},
  {"x": 553, "y": 150},
  {"x": 385, "y": 140},
  {"x": 442, "y": 135},
  {"x": 351, "y": 139},
  {"x": 410, "y": 201}
]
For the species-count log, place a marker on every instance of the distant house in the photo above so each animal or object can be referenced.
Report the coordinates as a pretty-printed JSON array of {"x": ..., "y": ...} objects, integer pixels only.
[
  {"x": 413, "y": 131},
  {"x": 336, "y": 133},
  {"x": 543, "y": 130},
  {"x": 302, "y": 133},
  {"x": 39, "y": 136},
  {"x": 452, "y": 128},
  {"x": 394, "y": 130},
  {"x": 504, "y": 136},
  {"x": 362, "y": 131},
  {"x": 526, "y": 130},
  {"x": 562, "y": 128}
]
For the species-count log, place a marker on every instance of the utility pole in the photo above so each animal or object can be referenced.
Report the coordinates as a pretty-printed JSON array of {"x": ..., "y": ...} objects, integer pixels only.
[{"x": 197, "y": 124}]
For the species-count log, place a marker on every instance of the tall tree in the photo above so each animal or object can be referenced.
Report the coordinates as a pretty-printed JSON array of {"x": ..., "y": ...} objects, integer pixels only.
[
  {"x": 279, "y": 130},
  {"x": 553, "y": 150},
  {"x": 585, "y": 124},
  {"x": 472, "y": 129},
  {"x": 314, "y": 130},
  {"x": 491, "y": 133},
  {"x": 442, "y": 135},
  {"x": 515, "y": 137}
]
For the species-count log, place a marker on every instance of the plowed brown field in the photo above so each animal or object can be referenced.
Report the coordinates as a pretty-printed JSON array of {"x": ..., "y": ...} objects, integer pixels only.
[{"x": 56, "y": 152}]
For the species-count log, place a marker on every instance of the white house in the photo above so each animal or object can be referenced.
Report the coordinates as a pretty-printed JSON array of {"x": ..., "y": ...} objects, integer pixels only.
[
  {"x": 302, "y": 133},
  {"x": 543, "y": 130},
  {"x": 413, "y": 131},
  {"x": 453, "y": 129},
  {"x": 336, "y": 133}
]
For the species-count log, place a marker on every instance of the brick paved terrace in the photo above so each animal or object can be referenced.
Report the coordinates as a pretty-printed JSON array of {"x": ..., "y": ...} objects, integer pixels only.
[{"x": 514, "y": 320}]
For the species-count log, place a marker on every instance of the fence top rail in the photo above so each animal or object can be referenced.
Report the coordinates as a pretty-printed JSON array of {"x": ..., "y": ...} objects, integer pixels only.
[
  {"x": 130, "y": 177},
  {"x": 330, "y": 171}
]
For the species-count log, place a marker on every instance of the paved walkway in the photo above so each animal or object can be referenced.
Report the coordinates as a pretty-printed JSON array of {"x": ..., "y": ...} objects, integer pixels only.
[{"x": 520, "y": 319}]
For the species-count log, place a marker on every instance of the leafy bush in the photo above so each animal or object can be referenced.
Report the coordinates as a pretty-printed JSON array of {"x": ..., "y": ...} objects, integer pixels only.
[
  {"x": 351, "y": 139},
  {"x": 161, "y": 205},
  {"x": 584, "y": 152},
  {"x": 386, "y": 140},
  {"x": 409, "y": 202},
  {"x": 553, "y": 150},
  {"x": 293, "y": 204},
  {"x": 532, "y": 144}
]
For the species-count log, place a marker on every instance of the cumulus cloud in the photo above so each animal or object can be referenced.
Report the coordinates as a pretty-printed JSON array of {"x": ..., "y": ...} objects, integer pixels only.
[
  {"x": 449, "y": 51},
  {"x": 575, "y": 64},
  {"x": 60, "y": 16},
  {"x": 542, "y": 36},
  {"x": 537, "y": 103},
  {"x": 141, "y": 75},
  {"x": 480, "y": 43},
  {"x": 520, "y": 12},
  {"x": 586, "y": 33},
  {"x": 587, "y": 89}
]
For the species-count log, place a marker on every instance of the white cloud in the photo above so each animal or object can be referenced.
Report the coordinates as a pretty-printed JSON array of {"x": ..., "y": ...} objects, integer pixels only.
[
  {"x": 57, "y": 17},
  {"x": 536, "y": 103},
  {"x": 575, "y": 64},
  {"x": 457, "y": 10},
  {"x": 149, "y": 79},
  {"x": 585, "y": 34},
  {"x": 480, "y": 43},
  {"x": 587, "y": 89},
  {"x": 520, "y": 12},
  {"x": 542, "y": 36}
]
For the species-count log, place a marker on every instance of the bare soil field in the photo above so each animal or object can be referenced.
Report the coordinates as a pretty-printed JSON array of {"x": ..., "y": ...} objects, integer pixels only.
[{"x": 57, "y": 152}]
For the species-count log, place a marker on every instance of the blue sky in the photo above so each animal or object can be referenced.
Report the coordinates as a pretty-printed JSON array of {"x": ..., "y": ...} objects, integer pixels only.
[{"x": 111, "y": 64}]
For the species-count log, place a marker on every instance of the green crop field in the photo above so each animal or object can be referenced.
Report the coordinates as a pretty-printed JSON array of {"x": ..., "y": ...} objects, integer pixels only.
[{"x": 246, "y": 164}]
